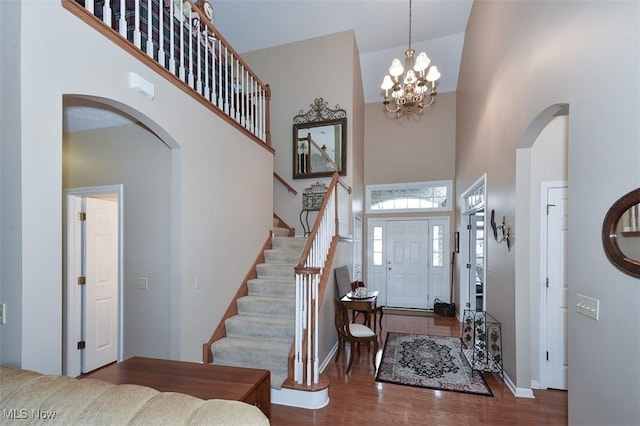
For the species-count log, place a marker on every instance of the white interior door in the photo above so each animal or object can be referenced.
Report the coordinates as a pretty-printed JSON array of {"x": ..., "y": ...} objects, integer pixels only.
[
  {"x": 557, "y": 292},
  {"x": 100, "y": 302},
  {"x": 408, "y": 261}
]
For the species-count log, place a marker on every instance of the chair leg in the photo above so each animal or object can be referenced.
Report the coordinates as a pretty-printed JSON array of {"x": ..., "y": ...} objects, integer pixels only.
[
  {"x": 350, "y": 360},
  {"x": 375, "y": 351},
  {"x": 340, "y": 348}
]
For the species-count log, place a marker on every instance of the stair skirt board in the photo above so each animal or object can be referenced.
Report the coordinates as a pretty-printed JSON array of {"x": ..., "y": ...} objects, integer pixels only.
[{"x": 262, "y": 333}]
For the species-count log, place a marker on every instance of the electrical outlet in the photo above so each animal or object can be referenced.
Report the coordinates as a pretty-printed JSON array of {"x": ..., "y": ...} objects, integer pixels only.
[
  {"x": 3, "y": 313},
  {"x": 588, "y": 306},
  {"x": 143, "y": 283}
]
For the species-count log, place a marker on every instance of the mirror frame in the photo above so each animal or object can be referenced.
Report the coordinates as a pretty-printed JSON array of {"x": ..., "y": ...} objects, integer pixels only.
[
  {"x": 320, "y": 115},
  {"x": 609, "y": 236}
]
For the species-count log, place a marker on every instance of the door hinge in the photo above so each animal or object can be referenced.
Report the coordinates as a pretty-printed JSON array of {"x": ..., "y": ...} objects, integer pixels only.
[
  {"x": 468, "y": 266},
  {"x": 546, "y": 282},
  {"x": 547, "y": 355},
  {"x": 81, "y": 344},
  {"x": 82, "y": 216},
  {"x": 549, "y": 205},
  {"x": 468, "y": 226},
  {"x": 82, "y": 280}
]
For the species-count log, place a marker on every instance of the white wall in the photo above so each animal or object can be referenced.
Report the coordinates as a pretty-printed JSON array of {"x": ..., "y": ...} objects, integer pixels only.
[
  {"x": 519, "y": 59},
  {"x": 220, "y": 216}
]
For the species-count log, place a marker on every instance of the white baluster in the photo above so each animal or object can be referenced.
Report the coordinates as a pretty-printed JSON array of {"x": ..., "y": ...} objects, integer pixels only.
[
  {"x": 190, "y": 24},
  {"x": 123, "y": 22},
  {"x": 161, "y": 54},
  {"x": 182, "y": 59},
  {"x": 106, "y": 12},
  {"x": 137, "y": 36},
  {"x": 207, "y": 80},
  {"x": 149, "y": 29},
  {"x": 90, "y": 5}
]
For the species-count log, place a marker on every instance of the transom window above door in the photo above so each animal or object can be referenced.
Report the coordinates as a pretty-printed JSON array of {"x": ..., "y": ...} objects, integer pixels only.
[{"x": 409, "y": 197}]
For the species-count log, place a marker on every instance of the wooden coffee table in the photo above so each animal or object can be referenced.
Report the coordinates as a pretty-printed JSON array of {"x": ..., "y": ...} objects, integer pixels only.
[{"x": 204, "y": 381}]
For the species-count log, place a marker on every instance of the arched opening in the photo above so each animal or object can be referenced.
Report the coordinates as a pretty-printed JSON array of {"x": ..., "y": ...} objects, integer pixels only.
[
  {"x": 541, "y": 173},
  {"x": 107, "y": 144}
]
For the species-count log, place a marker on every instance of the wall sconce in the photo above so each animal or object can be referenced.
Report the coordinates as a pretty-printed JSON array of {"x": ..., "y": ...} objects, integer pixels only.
[{"x": 504, "y": 229}]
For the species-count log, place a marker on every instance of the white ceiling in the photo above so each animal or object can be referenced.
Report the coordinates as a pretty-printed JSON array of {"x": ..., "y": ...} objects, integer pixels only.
[{"x": 381, "y": 29}]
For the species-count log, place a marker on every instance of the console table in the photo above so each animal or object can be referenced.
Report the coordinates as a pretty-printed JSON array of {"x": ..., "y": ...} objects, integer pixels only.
[{"x": 205, "y": 381}]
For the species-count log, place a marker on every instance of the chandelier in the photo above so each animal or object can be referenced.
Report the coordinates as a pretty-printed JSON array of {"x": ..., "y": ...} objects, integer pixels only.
[{"x": 404, "y": 92}]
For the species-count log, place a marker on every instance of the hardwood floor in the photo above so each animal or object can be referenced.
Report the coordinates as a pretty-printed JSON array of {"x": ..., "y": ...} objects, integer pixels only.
[{"x": 358, "y": 399}]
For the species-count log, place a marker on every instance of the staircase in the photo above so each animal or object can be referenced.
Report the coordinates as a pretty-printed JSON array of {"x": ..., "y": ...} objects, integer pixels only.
[{"x": 262, "y": 333}]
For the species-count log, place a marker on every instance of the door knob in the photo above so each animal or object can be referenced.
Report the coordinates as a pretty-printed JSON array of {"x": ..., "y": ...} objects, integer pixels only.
[{"x": 389, "y": 268}]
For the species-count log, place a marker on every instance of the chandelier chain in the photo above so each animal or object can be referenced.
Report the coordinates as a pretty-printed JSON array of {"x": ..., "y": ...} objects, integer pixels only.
[{"x": 409, "y": 24}]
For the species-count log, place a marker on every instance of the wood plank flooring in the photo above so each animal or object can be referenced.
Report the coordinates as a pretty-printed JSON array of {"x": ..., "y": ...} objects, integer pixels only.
[{"x": 358, "y": 399}]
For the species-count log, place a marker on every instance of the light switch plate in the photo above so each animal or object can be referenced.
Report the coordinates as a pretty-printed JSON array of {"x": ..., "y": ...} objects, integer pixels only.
[
  {"x": 588, "y": 306},
  {"x": 143, "y": 283}
]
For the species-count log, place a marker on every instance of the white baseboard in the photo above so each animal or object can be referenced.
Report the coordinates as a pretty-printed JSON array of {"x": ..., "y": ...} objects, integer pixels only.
[
  {"x": 535, "y": 384},
  {"x": 328, "y": 358},
  {"x": 518, "y": 392}
]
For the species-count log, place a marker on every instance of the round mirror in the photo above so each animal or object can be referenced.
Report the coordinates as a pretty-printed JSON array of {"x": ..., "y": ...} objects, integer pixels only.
[{"x": 621, "y": 233}]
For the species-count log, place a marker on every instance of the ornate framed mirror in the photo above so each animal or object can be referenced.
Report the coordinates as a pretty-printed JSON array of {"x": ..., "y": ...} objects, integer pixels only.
[
  {"x": 319, "y": 141},
  {"x": 621, "y": 233}
]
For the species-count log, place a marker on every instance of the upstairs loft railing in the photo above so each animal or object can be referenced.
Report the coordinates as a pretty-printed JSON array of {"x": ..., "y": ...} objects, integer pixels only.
[
  {"x": 311, "y": 272},
  {"x": 180, "y": 39}
]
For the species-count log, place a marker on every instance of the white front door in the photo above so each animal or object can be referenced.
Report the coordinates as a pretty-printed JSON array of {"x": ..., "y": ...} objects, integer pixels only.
[
  {"x": 407, "y": 264},
  {"x": 100, "y": 305},
  {"x": 408, "y": 261},
  {"x": 557, "y": 291}
]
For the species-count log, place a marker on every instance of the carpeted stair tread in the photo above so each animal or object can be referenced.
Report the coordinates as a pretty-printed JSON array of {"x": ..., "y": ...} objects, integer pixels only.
[
  {"x": 277, "y": 307},
  {"x": 276, "y": 270},
  {"x": 252, "y": 353},
  {"x": 297, "y": 243},
  {"x": 282, "y": 256},
  {"x": 281, "y": 232},
  {"x": 252, "y": 327},
  {"x": 272, "y": 287}
]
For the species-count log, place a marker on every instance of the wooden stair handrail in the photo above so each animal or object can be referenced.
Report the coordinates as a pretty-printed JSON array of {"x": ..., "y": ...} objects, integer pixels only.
[
  {"x": 285, "y": 183},
  {"x": 316, "y": 224}
]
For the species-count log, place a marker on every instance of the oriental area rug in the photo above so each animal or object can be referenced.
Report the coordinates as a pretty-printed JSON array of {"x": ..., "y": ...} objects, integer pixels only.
[{"x": 432, "y": 362}]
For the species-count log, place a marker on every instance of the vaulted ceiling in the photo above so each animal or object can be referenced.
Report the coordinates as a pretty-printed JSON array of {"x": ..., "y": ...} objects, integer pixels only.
[{"x": 381, "y": 29}]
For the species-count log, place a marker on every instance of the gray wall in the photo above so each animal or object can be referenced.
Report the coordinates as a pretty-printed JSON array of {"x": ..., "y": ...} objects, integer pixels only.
[
  {"x": 10, "y": 169},
  {"x": 519, "y": 59}
]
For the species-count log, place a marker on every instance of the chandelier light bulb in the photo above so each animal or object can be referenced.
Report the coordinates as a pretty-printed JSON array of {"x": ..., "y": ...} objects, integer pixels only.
[
  {"x": 422, "y": 62},
  {"x": 410, "y": 78},
  {"x": 433, "y": 74},
  {"x": 396, "y": 69},
  {"x": 387, "y": 83}
]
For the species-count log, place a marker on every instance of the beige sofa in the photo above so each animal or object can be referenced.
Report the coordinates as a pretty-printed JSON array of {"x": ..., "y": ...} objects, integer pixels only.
[{"x": 27, "y": 397}]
